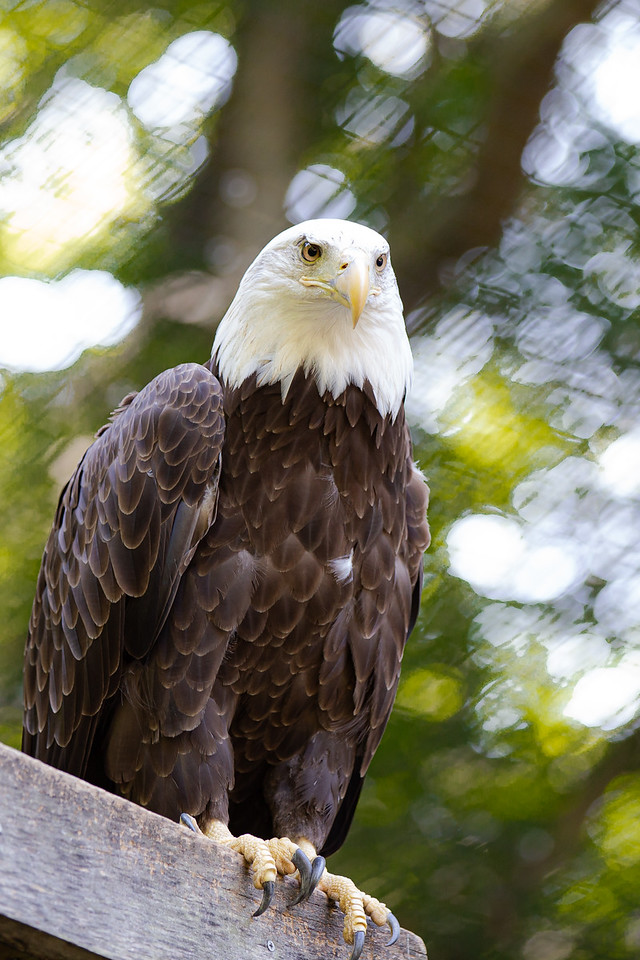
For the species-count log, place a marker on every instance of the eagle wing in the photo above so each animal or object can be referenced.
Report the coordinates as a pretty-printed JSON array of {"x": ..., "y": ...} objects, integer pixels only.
[
  {"x": 127, "y": 525},
  {"x": 395, "y": 575}
]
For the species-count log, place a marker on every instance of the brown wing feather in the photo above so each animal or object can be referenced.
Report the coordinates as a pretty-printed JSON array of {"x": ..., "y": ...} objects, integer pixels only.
[
  {"x": 127, "y": 526},
  {"x": 399, "y": 617}
]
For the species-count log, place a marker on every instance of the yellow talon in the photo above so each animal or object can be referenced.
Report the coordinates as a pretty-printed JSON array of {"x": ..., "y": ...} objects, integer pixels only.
[
  {"x": 375, "y": 909},
  {"x": 350, "y": 900},
  {"x": 282, "y": 849},
  {"x": 255, "y": 851},
  {"x": 268, "y": 858}
]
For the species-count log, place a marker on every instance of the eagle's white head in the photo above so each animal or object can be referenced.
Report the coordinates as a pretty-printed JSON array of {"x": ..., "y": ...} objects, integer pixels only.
[{"x": 322, "y": 296}]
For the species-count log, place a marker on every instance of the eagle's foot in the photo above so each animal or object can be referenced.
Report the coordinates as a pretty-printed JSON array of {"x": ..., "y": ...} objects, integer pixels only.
[
  {"x": 267, "y": 859},
  {"x": 254, "y": 850},
  {"x": 356, "y": 907},
  {"x": 289, "y": 857}
]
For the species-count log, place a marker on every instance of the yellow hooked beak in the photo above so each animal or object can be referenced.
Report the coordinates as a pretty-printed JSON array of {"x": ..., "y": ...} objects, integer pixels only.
[{"x": 351, "y": 286}]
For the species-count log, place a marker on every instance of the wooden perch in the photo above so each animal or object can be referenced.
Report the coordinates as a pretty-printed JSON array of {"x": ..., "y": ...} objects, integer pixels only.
[{"x": 85, "y": 874}]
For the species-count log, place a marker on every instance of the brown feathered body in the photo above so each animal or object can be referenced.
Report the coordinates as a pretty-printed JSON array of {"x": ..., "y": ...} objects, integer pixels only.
[
  {"x": 235, "y": 565},
  {"x": 224, "y": 601}
]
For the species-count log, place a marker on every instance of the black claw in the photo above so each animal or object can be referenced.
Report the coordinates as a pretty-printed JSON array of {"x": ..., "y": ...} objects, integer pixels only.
[
  {"x": 310, "y": 874},
  {"x": 358, "y": 945},
  {"x": 302, "y": 862},
  {"x": 187, "y": 820},
  {"x": 317, "y": 869},
  {"x": 395, "y": 929},
  {"x": 268, "y": 889}
]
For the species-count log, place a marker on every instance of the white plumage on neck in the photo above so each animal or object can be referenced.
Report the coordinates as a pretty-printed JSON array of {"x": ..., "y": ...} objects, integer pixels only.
[{"x": 276, "y": 325}]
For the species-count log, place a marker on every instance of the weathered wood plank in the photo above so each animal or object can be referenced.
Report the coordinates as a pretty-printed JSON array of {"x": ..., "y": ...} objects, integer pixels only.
[{"x": 84, "y": 874}]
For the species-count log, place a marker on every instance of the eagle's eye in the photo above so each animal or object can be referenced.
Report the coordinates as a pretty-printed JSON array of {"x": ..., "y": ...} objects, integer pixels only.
[
  {"x": 381, "y": 262},
  {"x": 311, "y": 252}
]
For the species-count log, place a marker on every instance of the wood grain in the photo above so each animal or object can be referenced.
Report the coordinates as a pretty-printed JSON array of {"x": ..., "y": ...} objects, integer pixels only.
[{"x": 86, "y": 874}]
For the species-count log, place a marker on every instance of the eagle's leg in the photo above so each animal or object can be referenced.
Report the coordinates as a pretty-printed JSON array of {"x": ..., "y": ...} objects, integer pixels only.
[{"x": 267, "y": 858}]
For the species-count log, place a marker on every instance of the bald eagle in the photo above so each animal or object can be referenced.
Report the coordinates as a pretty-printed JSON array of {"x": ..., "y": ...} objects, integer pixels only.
[{"x": 235, "y": 566}]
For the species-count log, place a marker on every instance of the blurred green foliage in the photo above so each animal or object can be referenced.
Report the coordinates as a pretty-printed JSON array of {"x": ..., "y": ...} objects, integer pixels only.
[{"x": 489, "y": 139}]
